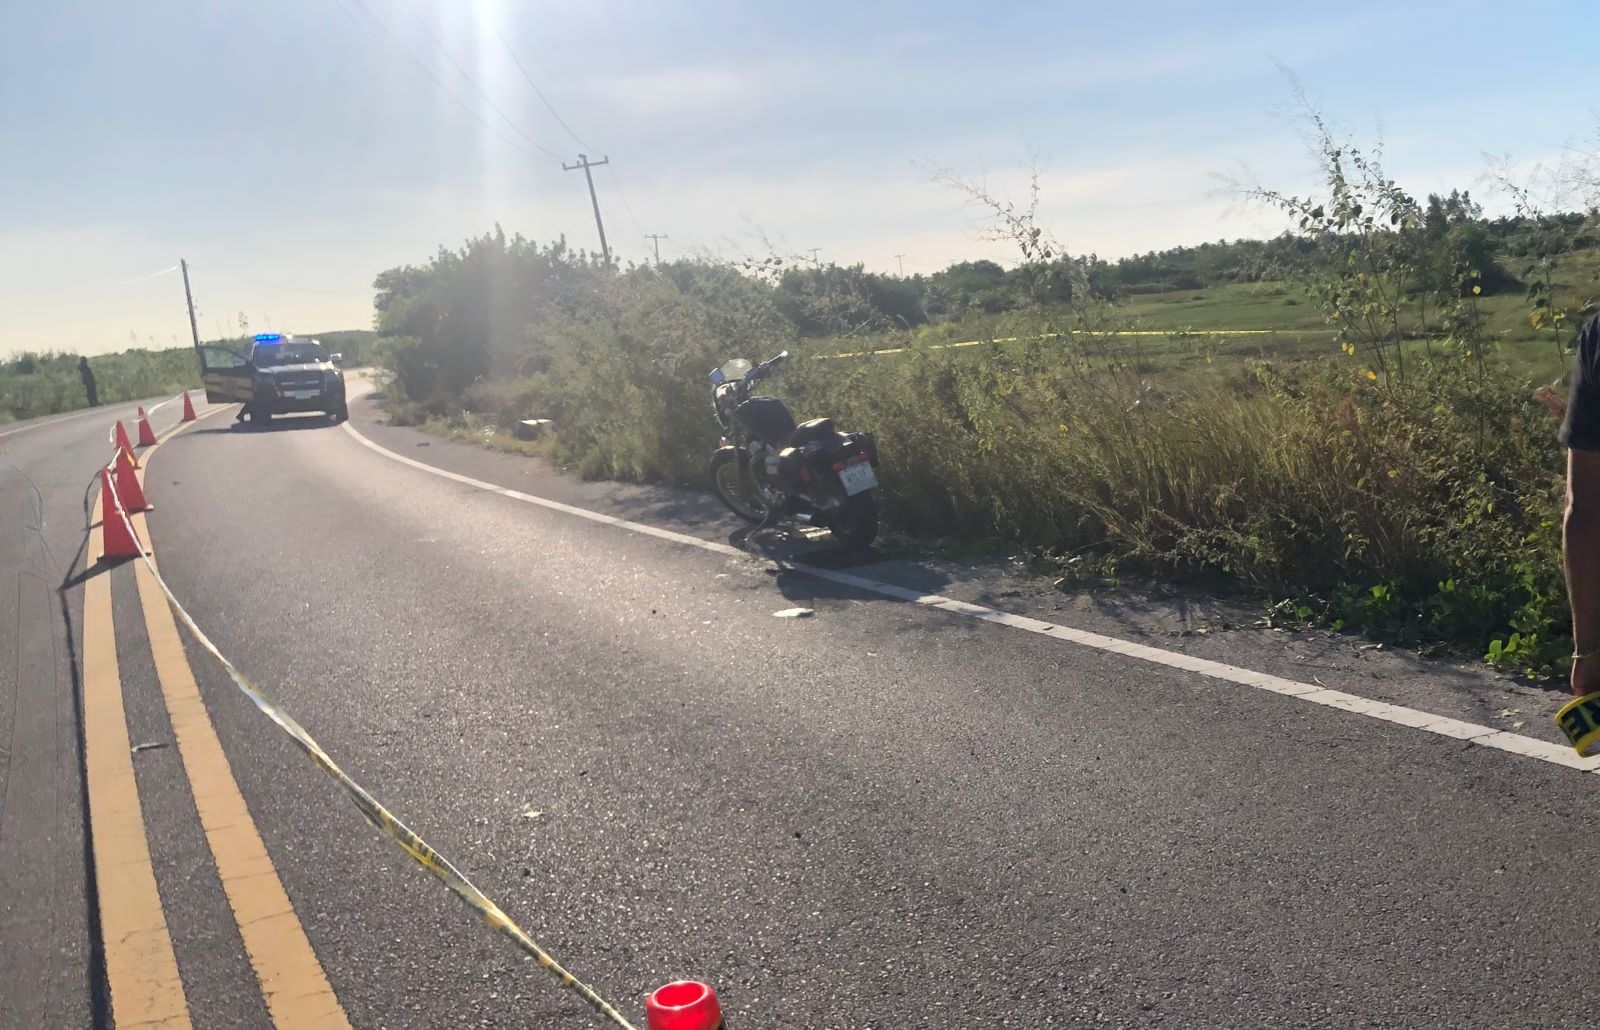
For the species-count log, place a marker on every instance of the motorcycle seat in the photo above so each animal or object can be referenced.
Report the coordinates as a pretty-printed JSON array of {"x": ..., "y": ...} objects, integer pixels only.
[{"x": 816, "y": 429}]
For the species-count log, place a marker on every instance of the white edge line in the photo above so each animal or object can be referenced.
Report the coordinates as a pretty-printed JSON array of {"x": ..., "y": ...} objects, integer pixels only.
[
  {"x": 53, "y": 420},
  {"x": 1469, "y": 733},
  {"x": 106, "y": 409}
]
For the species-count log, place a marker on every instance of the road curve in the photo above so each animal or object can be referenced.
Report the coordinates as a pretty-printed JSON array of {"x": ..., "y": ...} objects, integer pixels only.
[{"x": 879, "y": 815}]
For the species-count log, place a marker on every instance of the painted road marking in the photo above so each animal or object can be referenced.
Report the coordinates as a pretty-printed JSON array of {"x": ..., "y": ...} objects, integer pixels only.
[
  {"x": 1467, "y": 732},
  {"x": 387, "y": 823},
  {"x": 5, "y": 432},
  {"x": 293, "y": 983},
  {"x": 141, "y": 969}
]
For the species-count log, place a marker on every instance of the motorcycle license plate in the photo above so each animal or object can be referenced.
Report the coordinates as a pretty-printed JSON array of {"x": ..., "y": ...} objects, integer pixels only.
[{"x": 858, "y": 477}]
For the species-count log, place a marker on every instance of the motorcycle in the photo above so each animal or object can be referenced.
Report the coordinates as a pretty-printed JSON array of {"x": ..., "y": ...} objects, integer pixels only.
[{"x": 768, "y": 467}]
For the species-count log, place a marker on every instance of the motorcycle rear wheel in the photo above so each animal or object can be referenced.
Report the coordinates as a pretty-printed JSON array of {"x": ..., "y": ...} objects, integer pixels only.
[
  {"x": 733, "y": 486},
  {"x": 855, "y": 524}
]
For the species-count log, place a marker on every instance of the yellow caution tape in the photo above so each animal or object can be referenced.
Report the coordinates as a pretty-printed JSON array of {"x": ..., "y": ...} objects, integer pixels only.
[
  {"x": 1051, "y": 336},
  {"x": 379, "y": 816},
  {"x": 1579, "y": 719}
]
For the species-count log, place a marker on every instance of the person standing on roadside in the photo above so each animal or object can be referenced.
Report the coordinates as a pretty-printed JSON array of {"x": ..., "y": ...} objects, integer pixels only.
[
  {"x": 1580, "y": 537},
  {"x": 87, "y": 375}
]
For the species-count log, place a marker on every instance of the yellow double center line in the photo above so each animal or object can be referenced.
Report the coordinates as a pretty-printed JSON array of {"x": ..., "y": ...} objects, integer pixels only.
[{"x": 140, "y": 966}]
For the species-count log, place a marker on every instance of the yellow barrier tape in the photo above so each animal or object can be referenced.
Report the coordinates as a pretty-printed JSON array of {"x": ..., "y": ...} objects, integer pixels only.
[
  {"x": 1051, "y": 336},
  {"x": 385, "y": 821}
]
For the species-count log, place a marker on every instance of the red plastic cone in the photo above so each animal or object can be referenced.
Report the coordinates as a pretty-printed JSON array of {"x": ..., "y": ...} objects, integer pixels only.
[
  {"x": 147, "y": 436},
  {"x": 188, "y": 407},
  {"x": 129, "y": 490},
  {"x": 684, "y": 1005},
  {"x": 124, "y": 449},
  {"x": 116, "y": 532},
  {"x": 122, "y": 437}
]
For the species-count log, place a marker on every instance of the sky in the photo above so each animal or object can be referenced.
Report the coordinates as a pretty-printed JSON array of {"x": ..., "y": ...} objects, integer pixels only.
[{"x": 291, "y": 150}]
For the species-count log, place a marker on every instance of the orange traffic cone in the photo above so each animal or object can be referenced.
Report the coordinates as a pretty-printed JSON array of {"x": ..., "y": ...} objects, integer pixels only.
[
  {"x": 117, "y": 532},
  {"x": 683, "y": 1005},
  {"x": 129, "y": 490},
  {"x": 121, "y": 438},
  {"x": 188, "y": 408},
  {"x": 147, "y": 436}
]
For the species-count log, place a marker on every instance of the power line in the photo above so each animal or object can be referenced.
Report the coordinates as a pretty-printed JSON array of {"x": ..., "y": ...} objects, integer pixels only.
[
  {"x": 622, "y": 193},
  {"x": 433, "y": 76},
  {"x": 482, "y": 92},
  {"x": 151, "y": 275},
  {"x": 536, "y": 90},
  {"x": 617, "y": 183}
]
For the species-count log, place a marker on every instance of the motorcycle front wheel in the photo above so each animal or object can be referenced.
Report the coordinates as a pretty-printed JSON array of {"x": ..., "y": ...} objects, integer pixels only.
[{"x": 734, "y": 487}]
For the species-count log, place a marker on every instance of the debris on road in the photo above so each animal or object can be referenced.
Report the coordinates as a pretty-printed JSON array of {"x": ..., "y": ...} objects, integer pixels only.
[{"x": 531, "y": 428}]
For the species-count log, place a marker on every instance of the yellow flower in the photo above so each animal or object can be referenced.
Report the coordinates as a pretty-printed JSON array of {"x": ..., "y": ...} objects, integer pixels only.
[
  {"x": 1477, "y": 290},
  {"x": 1372, "y": 375}
]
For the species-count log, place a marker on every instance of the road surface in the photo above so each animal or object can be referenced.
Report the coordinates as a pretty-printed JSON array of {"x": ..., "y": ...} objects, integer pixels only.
[{"x": 887, "y": 814}]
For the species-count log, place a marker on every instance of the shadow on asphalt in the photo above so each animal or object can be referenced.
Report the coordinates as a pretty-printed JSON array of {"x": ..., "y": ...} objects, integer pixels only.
[
  {"x": 685, "y": 509},
  {"x": 788, "y": 545},
  {"x": 286, "y": 424}
]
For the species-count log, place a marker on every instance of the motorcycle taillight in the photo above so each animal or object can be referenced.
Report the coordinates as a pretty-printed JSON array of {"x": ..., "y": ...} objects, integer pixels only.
[{"x": 857, "y": 448}]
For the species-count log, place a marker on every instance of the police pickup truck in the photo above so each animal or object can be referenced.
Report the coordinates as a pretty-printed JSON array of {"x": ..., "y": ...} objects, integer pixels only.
[{"x": 279, "y": 374}]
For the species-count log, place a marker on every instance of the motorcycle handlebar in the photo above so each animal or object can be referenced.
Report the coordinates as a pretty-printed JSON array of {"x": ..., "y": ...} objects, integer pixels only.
[{"x": 768, "y": 366}]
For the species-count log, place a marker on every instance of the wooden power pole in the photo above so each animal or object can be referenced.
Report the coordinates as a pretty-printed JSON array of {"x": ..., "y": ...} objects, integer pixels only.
[
  {"x": 188, "y": 297},
  {"x": 655, "y": 239},
  {"x": 586, "y": 164}
]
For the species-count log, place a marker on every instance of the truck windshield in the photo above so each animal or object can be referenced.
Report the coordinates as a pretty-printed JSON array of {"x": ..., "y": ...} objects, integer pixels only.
[{"x": 288, "y": 354}]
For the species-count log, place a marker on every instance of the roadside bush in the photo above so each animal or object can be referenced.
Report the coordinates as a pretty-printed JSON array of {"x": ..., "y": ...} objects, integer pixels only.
[
  {"x": 1425, "y": 514},
  {"x": 33, "y": 385},
  {"x": 1408, "y": 491}
]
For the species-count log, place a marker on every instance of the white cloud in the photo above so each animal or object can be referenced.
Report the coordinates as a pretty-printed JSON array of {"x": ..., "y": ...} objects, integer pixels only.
[{"x": 722, "y": 96}]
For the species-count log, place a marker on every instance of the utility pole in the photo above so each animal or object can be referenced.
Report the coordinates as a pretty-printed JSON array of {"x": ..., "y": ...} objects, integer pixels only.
[
  {"x": 814, "y": 260},
  {"x": 586, "y": 164},
  {"x": 656, "y": 238},
  {"x": 902, "y": 259},
  {"x": 188, "y": 297}
]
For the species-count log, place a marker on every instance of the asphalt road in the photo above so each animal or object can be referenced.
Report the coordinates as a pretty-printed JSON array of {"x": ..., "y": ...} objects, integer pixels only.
[{"x": 878, "y": 816}]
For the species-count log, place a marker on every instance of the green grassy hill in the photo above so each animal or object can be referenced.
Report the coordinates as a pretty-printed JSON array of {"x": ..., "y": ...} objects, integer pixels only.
[{"x": 33, "y": 385}]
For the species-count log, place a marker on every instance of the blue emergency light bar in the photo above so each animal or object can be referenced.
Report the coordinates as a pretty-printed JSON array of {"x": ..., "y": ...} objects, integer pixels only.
[{"x": 269, "y": 337}]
